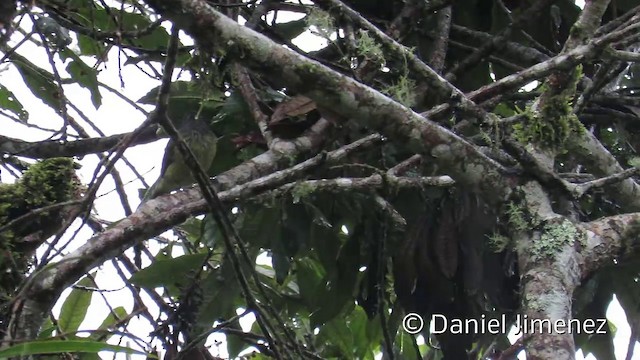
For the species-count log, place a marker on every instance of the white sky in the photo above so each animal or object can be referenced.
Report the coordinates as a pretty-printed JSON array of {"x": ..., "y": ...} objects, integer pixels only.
[{"x": 113, "y": 117}]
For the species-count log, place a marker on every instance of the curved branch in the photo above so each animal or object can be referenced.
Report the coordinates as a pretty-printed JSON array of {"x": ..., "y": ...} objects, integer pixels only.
[
  {"x": 153, "y": 217},
  {"x": 53, "y": 148}
]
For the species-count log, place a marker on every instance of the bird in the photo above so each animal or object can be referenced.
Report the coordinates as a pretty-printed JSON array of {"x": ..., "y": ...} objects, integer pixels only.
[{"x": 175, "y": 173}]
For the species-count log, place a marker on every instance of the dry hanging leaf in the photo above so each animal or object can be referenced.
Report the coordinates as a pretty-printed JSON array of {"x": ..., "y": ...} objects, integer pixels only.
[{"x": 297, "y": 105}]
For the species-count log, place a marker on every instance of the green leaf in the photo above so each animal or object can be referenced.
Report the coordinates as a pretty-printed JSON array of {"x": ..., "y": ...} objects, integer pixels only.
[
  {"x": 39, "y": 81},
  {"x": 84, "y": 75},
  {"x": 340, "y": 286},
  {"x": 504, "y": 110},
  {"x": 309, "y": 278},
  {"x": 259, "y": 224},
  {"x": 184, "y": 91},
  {"x": 338, "y": 334},
  {"x": 168, "y": 272},
  {"x": 235, "y": 114},
  {"x": 373, "y": 329},
  {"x": 89, "y": 356},
  {"x": 295, "y": 230},
  {"x": 188, "y": 97},
  {"x": 235, "y": 344},
  {"x": 281, "y": 265},
  {"x": 62, "y": 346},
  {"x": 591, "y": 302},
  {"x": 635, "y": 162},
  {"x": 95, "y": 16},
  {"x": 599, "y": 345},
  {"x": 406, "y": 346},
  {"x": 268, "y": 277},
  {"x": 291, "y": 29},
  {"x": 113, "y": 318},
  {"x": 221, "y": 292},
  {"x": 195, "y": 229},
  {"x": 47, "y": 329},
  {"x": 75, "y": 307},
  {"x": 326, "y": 243},
  {"x": 9, "y": 102},
  {"x": 156, "y": 40},
  {"x": 88, "y": 46},
  {"x": 358, "y": 323},
  {"x": 210, "y": 232}
]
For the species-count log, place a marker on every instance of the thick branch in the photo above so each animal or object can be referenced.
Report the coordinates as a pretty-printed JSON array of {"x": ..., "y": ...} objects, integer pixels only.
[
  {"x": 548, "y": 260},
  {"x": 343, "y": 95},
  {"x": 610, "y": 239},
  {"x": 151, "y": 218},
  {"x": 549, "y": 272},
  {"x": 602, "y": 163}
]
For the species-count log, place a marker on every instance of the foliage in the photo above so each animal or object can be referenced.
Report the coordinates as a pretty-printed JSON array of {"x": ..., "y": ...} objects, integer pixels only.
[
  {"x": 61, "y": 346},
  {"x": 45, "y": 183},
  {"x": 329, "y": 254},
  {"x": 403, "y": 91},
  {"x": 322, "y": 22},
  {"x": 555, "y": 123},
  {"x": 369, "y": 49}
]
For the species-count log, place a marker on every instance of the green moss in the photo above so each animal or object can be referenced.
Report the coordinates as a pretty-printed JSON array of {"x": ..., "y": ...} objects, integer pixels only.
[
  {"x": 577, "y": 32},
  {"x": 555, "y": 123},
  {"x": 45, "y": 183},
  {"x": 635, "y": 162},
  {"x": 554, "y": 237},
  {"x": 402, "y": 91},
  {"x": 301, "y": 191},
  {"x": 48, "y": 182},
  {"x": 322, "y": 21},
  {"x": 307, "y": 68},
  {"x": 498, "y": 242},
  {"x": 519, "y": 218},
  {"x": 310, "y": 75},
  {"x": 368, "y": 48}
]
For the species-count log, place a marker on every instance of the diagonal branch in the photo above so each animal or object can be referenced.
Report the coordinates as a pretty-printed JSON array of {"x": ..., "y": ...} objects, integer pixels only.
[
  {"x": 436, "y": 83},
  {"x": 158, "y": 215},
  {"x": 344, "y": 95}
]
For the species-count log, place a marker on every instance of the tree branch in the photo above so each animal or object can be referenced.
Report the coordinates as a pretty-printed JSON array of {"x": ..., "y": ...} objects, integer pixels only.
[
  {"x": 343, "y": 95},
  {"x": 156, "y": 216},
  {"x": 55, "y": 148}
]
